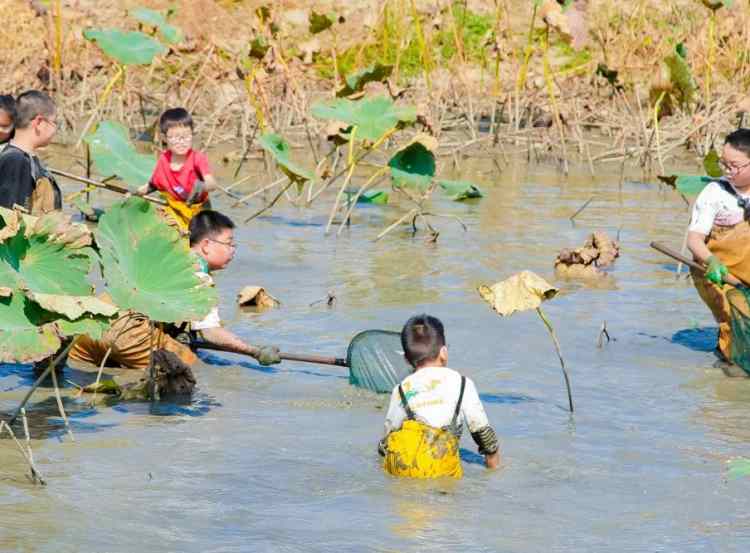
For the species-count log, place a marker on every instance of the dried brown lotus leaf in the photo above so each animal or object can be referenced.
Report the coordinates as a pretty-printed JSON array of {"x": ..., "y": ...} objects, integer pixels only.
[
  {"x": 521, "y": 292},
  {"x": 256, "y": 296}
]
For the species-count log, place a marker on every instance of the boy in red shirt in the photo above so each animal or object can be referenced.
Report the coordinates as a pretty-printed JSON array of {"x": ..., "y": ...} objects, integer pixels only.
[{"x": 182, "y": 175}]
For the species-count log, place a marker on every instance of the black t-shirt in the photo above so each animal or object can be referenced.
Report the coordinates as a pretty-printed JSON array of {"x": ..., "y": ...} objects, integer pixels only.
[{"x": 18, "y": 173}]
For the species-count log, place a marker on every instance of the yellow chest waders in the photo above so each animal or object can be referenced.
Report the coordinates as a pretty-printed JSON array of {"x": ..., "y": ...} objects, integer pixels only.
[{"x": 418, "y": 450}]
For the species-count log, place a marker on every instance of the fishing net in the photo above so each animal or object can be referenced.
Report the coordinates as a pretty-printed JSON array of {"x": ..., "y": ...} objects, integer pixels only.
[
  {"x": 376, "y": 361},
  {"x": 739, "y": 304}
]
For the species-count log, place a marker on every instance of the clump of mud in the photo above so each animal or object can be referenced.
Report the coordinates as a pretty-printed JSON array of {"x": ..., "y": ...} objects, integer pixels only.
[{"x": 597, "y": 253}]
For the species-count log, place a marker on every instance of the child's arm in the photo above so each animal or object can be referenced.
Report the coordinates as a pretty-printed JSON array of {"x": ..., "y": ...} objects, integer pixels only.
[
  {"x": 266, "y": 355},
  {"x": 479, "y": 425},
  {"x": 210, "y": 183},
  {"x": 145, "y": 189}
]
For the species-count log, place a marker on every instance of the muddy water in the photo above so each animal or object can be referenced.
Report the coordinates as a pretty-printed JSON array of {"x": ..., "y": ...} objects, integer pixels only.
[{"x": 284, "y": 458}]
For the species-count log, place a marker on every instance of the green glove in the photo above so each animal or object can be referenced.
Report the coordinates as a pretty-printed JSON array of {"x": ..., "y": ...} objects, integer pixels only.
[
  {"x": 268, "y": 355},
  {"x": 716, "y": 270}
]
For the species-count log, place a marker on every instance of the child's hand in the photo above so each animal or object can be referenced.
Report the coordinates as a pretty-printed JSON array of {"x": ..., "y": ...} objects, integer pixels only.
[{"x": 142, "y": 191}]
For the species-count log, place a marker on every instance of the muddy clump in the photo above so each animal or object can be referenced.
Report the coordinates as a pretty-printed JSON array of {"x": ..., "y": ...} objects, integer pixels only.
[{"x": 597, "y": 253}]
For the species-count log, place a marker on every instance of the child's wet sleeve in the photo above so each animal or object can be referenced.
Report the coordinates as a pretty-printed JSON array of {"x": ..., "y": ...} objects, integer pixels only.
[
  {"x": 472, "y": 408},
  {"x": 395, "y": 416},
  {"x": 704, "y": 213}
]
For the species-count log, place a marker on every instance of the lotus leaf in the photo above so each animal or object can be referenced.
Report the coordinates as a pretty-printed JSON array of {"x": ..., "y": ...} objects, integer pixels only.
[
  {"x": 523, "y": 291},
  {"x": 374, "y": 197},
  {"x": 25, "y": 333},
  {"x": 279, "y": 149},
  {"x": 127, "y": 48},
  {"x": 115, "y": 155},
  {"x": 171, "y": 34},
  {"x": 373, "y": 117},
  {"x": 680, "y": 75},
  {"x": 460, "y": 190},
  {"x": 74, "y": 307},
  {"x": 738, "y": 467},
  {"x": 414, "y": 165},
  {"x": 148, "y": 267},
  {"x": 689, "y": 185},
  {"x": 319, "y": 22},
  {"x": 711, "y": 164},
  {"x": 47, "y": 260},
  {"x": 357, "y": 81},
  {"x": 259, "y": 47},
  {"x": 92, "y": 326}
]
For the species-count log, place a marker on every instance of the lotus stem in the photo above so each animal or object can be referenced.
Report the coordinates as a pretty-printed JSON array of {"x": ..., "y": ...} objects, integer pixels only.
[
  {"x": 657, "y": 108},
  {"x": 551, "y": 330},
  {"x": 522, "y": 72},
  {"x": 34, "y": 472},
  {"x": 39, "y": 380},
  {"x": 352, "y": 165},
  {"x": 359, "y": 193},
  {"x": 400, "y": 220},
  {"x": 551, "y": 92},
  {"x": 272, "y": 202},
  {"x": 60, "y": 407},
  {"x": 244, "y": 199},
  {"x": 102, "y": 99},
  {"x": 57, "y": 57},
  {"x": 711, "y": 55}
]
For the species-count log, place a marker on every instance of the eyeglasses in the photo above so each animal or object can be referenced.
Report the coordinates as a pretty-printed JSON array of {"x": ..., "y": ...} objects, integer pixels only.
[
  {"x": 180, "y": 139},
  {"x": 732, "y": 169},
  {"x": 53, "y": 123},
  {"x": 232, "y": 245}
]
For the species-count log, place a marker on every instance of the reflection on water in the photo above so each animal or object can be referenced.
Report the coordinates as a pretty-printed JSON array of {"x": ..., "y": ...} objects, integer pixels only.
[{"x": 284, "y": 458}]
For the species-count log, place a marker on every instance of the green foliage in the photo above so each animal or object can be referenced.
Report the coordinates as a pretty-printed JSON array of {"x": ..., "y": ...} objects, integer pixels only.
[
  {"x": 711, "y": 164},
  {"x": 413, "y": 167},
  {"x": 357, "y": 80},
  {"x": 379, "y": 197},
  {"x": 148, "y": 267},
  {"x": 319, "y": 22},
  {"x": 279, "y": 149},
  {"x": 460, "y": 190},
  {"x": 169, "y": 32},
  {"x": 126, "y": 47},
  {"x": 114, "y": 155},
  {"x": 474, "y": 29},
  {"x": 259, "y": 47},
  {"x": 25, "y": 333},
  {"x": 714, "y": 5},
  {"x": 688, "y": 185},
  {"x": 42, "y": 262},
  {"x": 681, "y": 76},
  {"x": 372, "y": 117}
]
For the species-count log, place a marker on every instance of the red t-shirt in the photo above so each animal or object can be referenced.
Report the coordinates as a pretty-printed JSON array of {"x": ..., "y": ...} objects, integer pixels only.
[{"x": 179, "y": 184}]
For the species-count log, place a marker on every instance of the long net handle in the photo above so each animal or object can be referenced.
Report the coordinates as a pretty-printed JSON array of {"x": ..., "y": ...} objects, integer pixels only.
[
  {"x": 305, "y": 358},
  {"x": 730, "y": 278}
]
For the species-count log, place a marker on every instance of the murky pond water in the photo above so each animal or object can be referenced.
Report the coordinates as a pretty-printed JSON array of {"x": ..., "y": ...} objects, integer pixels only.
[{"x": 284, "y": 458}]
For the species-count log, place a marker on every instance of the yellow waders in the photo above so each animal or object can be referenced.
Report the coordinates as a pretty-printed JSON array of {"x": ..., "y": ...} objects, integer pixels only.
[
  {"x": 180, "y": 212},
  {"x": 418, "y": 450}
]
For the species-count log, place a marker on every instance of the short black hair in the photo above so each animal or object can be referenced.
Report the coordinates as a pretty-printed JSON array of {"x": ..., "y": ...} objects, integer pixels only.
[
  {"x": 32, "y": 104},
  {"x": 739, "y": 140},
  {"x": 175, "y": 117},
  {"x": 207, "y": 224},
  {"x": 8, "y": 105},
  {"x": 422, "y": 338}
]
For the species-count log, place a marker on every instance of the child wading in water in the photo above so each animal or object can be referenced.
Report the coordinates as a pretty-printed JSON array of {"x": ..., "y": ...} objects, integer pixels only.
[
  {"x": 429, "y": 408},
  {"x": 182, "y": 174}
]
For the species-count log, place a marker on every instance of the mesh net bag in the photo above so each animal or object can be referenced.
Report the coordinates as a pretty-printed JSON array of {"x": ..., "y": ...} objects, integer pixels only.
[
  {"x": 376, "y": 361},
  {"x": 739, "y": 303}
]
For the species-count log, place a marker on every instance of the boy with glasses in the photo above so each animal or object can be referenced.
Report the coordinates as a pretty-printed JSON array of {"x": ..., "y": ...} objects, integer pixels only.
[
  {"x": 719, "y": 234},
  {"x": 24, "y": 180},
  {"x": 182, "y": 174}
]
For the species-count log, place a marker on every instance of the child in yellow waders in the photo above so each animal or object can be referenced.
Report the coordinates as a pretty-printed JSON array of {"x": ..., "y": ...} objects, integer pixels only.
[
  {"x": 182, "y": 174},
  {"x": 428, "y": 409}
]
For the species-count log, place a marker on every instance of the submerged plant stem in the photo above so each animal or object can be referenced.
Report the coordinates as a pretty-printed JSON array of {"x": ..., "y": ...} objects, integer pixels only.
[{"x": 551, "y": 330}]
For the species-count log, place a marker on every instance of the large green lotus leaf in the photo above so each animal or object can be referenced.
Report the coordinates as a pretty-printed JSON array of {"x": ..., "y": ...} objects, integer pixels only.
[
  {"x": 47, "y": 260},
  {"x": 357, "y": 81},
  {"x": 279, "y": 149},
  {"x": 115, "y": 155},
  {"x": 413, "y": 166},
  {"x": 148, "y": 267},
  {"x": 171, "y": 34},
  {"x": 126, "y": 47},
  {"x": 25, "y": 335},
  {"x": 373, "y": 117},
  {"x": 460, "y": 190},
  {"x": 688, "y": 185}
]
